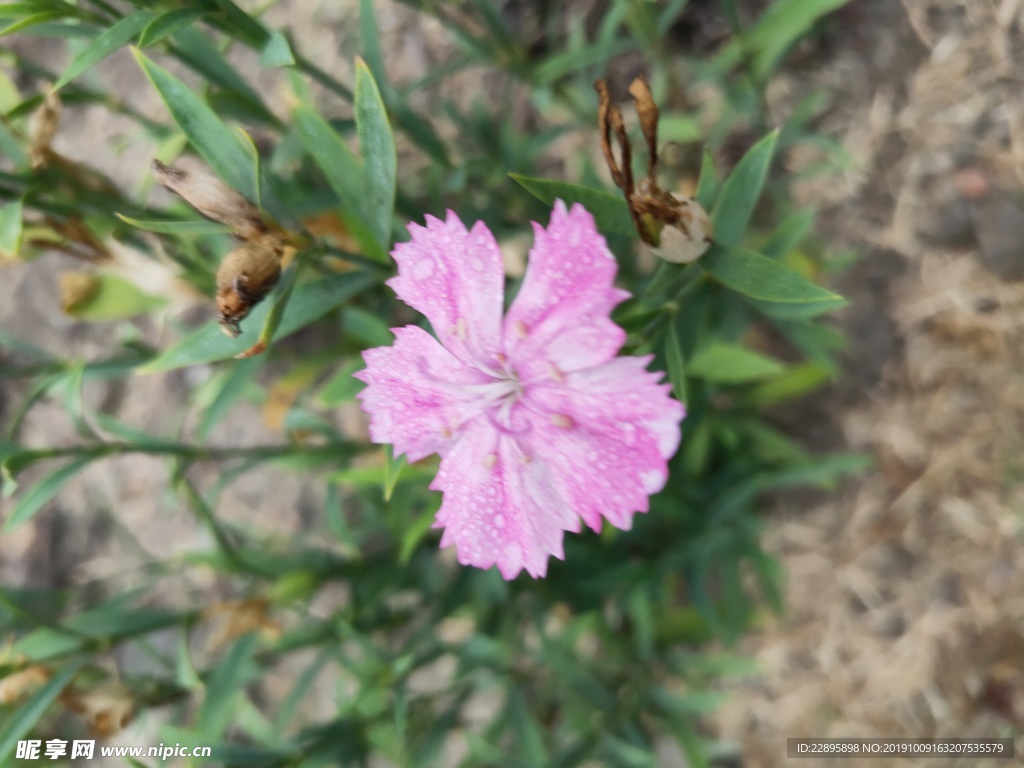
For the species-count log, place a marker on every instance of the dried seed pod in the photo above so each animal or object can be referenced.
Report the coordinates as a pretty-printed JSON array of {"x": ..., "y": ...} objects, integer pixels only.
[
  {"x": 677, "y": 229},
  {"x": 42, "y": 127},
  {"x": 686, "y": 239},
  {"x": 245, "y": 276},
  {"x": 213, "y": 199}
]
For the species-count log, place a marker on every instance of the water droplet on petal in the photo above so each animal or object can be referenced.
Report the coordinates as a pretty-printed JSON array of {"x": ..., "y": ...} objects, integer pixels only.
[{"x": 422, "y": 268}]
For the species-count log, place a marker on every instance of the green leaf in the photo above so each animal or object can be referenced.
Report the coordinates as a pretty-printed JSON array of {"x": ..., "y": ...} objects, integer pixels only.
[
  {"x": 277, "y": 52},
  {"x": 377, "y": 147},
  {"x": 414, "y": 533},
  {"x": 741, "y": 190},
  {"x": 310, "y": 301},
  {"x": 568, "y": 62},
  {"x": 367, "y": 327},
  {"x": 166, "y": 24},
  {"x": 785, "y": 22},
  {"x": 105, "y": 44},
  {"x": 177, "y": 226},
  {"x": 45, "y": 644},
  {"x": 707, "y": 182},
  {"x": 344, "y": 174},
  {"x": 231, "y": 388},
  {"x": 674, "y": 358},
  {"x": 10, "y": 230},
  {"x": 220, "y": 146},
  {"x": 727, "y": 363},
  {"x": 112, "y": 299},
  {"x": 41, "y": 492},
  {"x": 33, "y": 20},
  {"x": 797, "y": 311},
  {"x": 797, "y": 381},
  {"x": 342, "y": 387},
  {"x": 19, "y": 723},
  {"x": 282, "y": 296},
  {"x": 392, "y": 471},
  {"x": 228, "y": 678},
  {"x": 609, "y": 211},
  {"x": 761, "y": 278}
]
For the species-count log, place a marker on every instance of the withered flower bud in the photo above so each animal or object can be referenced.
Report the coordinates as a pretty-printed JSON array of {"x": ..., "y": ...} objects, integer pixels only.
[
  {"x": 245, "y": 276},
  {"x": 676, "y": 228},
  {"x": 213, "y": 199},
  {"x": 42, "y": 127}
]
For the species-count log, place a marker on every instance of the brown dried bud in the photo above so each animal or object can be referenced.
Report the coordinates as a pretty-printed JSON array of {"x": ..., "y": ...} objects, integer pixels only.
[
  {"x": 684, "y": 235},
  {"x": 213, "y": 199},
  {"x": 42, "y": 127},
  {"x": 245, "y": 276},
  {"x": 647, "y": 111},
  {"x": 16, "y": 686},
  {"x": 677, "y": 229},
  {"x": 108, "y": 708}
]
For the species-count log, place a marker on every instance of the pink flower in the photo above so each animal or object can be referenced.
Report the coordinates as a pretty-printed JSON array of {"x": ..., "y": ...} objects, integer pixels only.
[{"x": 537, "y": 422}]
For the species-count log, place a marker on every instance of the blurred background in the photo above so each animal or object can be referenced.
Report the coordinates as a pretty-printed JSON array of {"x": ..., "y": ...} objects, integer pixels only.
[{"x": 903, "y": 587}]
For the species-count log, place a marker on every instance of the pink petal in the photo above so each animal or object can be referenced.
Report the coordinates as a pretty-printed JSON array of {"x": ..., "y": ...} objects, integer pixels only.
[
  {"x": 418, "y": 393},
  {"x": 499, "y": 508},
  {"x": 559, "y": 321},
  {"x": 456, "y": 279},
  {"x": 606, "y": 436}
]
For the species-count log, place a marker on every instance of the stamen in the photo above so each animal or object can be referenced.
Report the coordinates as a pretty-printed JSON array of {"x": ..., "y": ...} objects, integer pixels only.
[
  {"x": 459, "y": 329},
  {"x": 490, "y": 460},
  {"x": 521, "y": 330},
  {"x": 556, "y": 374}
]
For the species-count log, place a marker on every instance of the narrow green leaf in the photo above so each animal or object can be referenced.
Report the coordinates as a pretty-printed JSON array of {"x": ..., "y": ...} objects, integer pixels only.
[
  {"x": 797, "y": 381},
  {"x": 609, "y": 211},
  {"x": 33, "y": 20},
  {"x": 392, "y": 471},
  {"x": 310, "y": 301},
  {"x": 230, "y": 390},
  {"x": 105, "y": 44},
  {"x": 342, "y": 387},
  {"x": 10, "y": 230},
  {"x": 707, "y": 182},
  {"x": 282, "y": 296},
  {"x": 414, "y": 534},
  {"x": 216, "y": 142},
  {"x": 727, "y": 363},
  {"x": 228, "y": 678},
  {"x": 377, "y": 147},
  {"x": 785, "y": 22},
  {"x": 367, "y": 327},
  {"x": 761, "y": 278},
  {"x": 277, "y": 52},
  {"x": 41, "y": 492},
  {"x": 741, "y": 190},
  {"x": 788, "y": 234},
  {"x": 674, "y": 358},
  {"x": 797, "y": 311},
  {"x": 166, "y": 24},
  {"x": 563, "y": 63},
  {"x": 19, "y": 723},
  {"x": 344, "y": 173},
  {"x": 178, "y": 226},
  {"x": 46, "y": 644}
]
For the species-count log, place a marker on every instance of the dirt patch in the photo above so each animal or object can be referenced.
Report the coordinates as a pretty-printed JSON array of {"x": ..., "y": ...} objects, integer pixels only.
[{"x": 905, "y": 616}]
